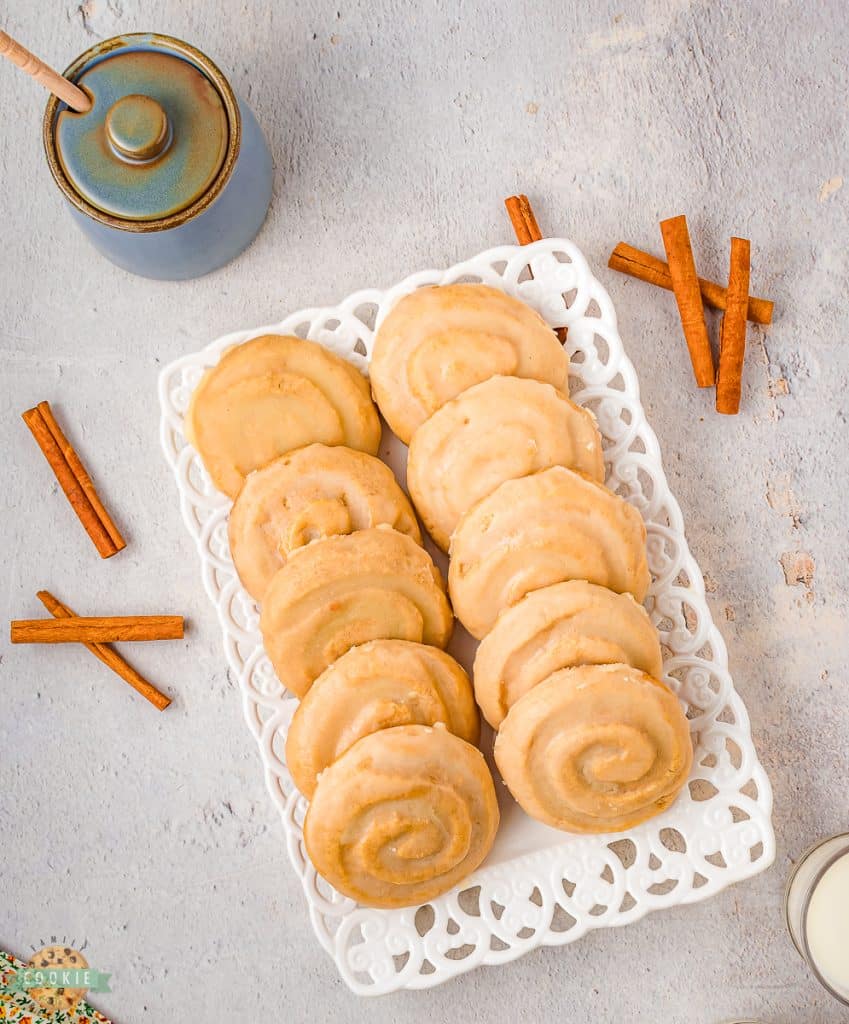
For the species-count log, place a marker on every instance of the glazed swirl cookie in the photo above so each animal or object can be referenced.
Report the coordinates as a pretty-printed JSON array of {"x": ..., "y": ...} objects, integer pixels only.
[
  {"x": 347, "y": 590},
  {"x": 438, "y": 341},
  {"x": 595, "y": 749},
  {"x": 561, "y": 626},
  {"x": 306, "y": 495},
  {"x": 551, "y": 526},
  {"x": 271, "y": 395},
  {"x": 376, "y": 686},
  {"x": 402, "y": 817},
  {"x": 499, "y": 430}
]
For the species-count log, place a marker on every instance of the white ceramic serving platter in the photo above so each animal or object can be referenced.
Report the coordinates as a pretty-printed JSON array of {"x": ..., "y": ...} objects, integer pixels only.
[{"x": 538, "y": 886}]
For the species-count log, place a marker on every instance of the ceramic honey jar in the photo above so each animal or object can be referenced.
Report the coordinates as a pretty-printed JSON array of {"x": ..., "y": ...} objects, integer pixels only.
[{"x": 168, "y": 173}]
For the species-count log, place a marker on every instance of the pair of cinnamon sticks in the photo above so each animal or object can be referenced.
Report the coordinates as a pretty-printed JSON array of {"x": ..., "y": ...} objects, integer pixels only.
[
  {"x": 692, "y": 293},
  {"x": 95, "y": 634},
  {"x": 74, "y": 480},
  {"x": 67, "y": 627}
]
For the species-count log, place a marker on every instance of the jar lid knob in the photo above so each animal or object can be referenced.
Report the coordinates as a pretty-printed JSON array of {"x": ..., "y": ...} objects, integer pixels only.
[{"x": 137, "y": 128}]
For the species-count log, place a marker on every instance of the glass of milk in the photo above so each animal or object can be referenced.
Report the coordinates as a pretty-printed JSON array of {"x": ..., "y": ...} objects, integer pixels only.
[{"x": 817, "y": 908}]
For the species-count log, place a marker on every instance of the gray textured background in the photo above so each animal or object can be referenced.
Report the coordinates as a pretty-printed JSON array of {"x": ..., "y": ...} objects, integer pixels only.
[{"x": 397, "y": 129}]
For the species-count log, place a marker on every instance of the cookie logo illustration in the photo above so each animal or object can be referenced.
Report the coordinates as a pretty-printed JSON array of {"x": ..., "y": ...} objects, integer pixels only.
[
  {"x": 57, "y": 978},
  {"x": 58, "y": 959}
]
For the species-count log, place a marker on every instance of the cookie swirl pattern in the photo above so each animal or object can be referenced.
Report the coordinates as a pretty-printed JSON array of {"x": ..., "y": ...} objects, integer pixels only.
[
  {"x": 271, "y": 395},
  {"x": 436, "y": 342},
  {"x": 529, "y": 533},
  {"x": 309, "y": 494},
  {"x": 595, "y": 749},
  {"x": 402, "y": 816},
  {"x": 499, "y": 430},
  {"x": 343, "y": 591},
  {"x": 561, "y": 626},
  {"x": 376, "y": 686}
]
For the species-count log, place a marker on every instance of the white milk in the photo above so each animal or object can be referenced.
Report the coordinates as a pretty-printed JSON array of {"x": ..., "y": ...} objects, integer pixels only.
[
  {"x": 817, "y": 905},
  {"x": 827, "y": 926}
]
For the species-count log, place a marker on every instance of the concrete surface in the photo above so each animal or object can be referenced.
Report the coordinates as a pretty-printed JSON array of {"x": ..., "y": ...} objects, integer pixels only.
[{"x": 397, "y": 129}]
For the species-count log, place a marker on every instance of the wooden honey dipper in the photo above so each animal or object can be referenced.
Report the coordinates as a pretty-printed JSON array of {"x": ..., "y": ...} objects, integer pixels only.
[{"x": 46, "y": 76}]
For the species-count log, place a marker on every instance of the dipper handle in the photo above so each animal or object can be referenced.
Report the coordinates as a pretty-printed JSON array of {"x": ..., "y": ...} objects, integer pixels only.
[{"x": 37, "y": 69}]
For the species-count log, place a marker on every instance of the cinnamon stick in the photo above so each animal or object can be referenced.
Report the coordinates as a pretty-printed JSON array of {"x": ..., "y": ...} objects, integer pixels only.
[
  {"x": 732, "y": 334},
  {"x": 523, "y": 219},
  {"x": 685, "y": 285},
  {"x": 527, "y": 230},
  {"x": 645, "y": 267},
  {"x": 109, "y": 656},
  {"x": 74, "y": 480},
  {"x": 97, "y": 629}
]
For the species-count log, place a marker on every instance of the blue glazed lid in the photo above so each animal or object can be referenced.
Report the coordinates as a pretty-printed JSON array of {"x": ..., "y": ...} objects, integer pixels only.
[{"x": 154, "y": 140}]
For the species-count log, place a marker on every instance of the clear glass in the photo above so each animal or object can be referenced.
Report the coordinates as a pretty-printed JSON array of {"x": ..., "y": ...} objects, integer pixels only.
[{"x": 801, "y": 886}]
